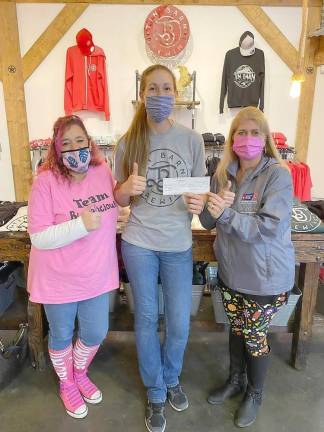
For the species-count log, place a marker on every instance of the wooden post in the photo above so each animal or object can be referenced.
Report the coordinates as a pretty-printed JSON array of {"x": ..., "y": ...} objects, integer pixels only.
[
  {"x": 308, "y": 283},
  {"x": 14, "y": 97},
  {"x": 319, "y": 56},
  {"x": 308, "y": 87}
]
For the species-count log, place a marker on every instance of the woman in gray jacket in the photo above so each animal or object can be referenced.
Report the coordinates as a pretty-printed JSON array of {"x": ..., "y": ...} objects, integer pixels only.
[{"x": 250, "y": 205}]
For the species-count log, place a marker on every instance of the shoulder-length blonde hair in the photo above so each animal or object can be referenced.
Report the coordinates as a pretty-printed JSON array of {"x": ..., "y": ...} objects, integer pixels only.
[
  {"x": 137, "y": 136},
  {"x": 248, "y": 113},
  {"x": 54, "y": 160}
]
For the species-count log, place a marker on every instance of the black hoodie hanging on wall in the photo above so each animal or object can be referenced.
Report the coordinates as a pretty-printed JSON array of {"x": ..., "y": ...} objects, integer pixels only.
[{"x": 243, "y": 75}]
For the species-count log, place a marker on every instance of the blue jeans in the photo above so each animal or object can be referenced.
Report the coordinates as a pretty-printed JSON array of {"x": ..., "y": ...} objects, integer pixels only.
[
  {"x": 160, "y": 366},
  {"x": 93, "y": 319}
]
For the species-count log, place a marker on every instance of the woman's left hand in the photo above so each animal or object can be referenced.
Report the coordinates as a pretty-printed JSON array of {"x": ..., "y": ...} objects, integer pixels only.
[
  {"x": 195, "y": 203},
  {"x": 227, "y": 195},
  {"x": 216, "y": 205}
]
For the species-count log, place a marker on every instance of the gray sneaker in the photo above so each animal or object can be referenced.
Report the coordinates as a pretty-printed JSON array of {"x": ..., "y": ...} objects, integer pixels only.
[
  {"x": 154, "y": 417},
  {"x": 177, "y": 398}
]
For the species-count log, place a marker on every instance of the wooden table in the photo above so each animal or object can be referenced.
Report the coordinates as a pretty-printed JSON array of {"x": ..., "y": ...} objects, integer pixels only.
[{"x": 309, "y": 250}]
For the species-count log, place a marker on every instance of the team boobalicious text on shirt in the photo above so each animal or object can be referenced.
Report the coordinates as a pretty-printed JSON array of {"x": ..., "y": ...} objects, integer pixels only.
[{"x": 93, "y": 199}]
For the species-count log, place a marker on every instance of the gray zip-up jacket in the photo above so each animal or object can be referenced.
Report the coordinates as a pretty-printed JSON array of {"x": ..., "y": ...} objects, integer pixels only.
[{"x": 253, "y": 245}]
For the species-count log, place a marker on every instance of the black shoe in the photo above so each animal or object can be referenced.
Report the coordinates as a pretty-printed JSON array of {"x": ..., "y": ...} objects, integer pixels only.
[
  {"x": 235, "y": 385},
  {"x": 257, "y": 368},
  {"x": 177, "y": 398},
  {"x": 154, "y": 417},
  {"x": 247, "y": 412},
  {"x": 256, "y": 373}
]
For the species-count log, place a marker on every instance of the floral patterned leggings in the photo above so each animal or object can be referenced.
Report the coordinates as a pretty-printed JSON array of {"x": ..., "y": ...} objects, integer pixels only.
[{"x": 250, "y": 316}]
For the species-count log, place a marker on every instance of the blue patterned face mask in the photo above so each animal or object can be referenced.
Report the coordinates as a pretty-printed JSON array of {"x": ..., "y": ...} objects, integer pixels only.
[
  {"x": 77, "y": 160},
  {"x": 159, "y": 108}
]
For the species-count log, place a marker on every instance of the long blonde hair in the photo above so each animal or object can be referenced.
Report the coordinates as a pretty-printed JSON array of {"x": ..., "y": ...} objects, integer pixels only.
[
  {"x": 248, "y": 113},
  {"x": 137, "y": 136}
]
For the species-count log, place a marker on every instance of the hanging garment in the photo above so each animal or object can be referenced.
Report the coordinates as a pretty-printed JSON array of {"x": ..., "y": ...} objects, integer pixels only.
[
  {"x": 211, "y": 165},
  {"x": 243, "y": 79},
  {"x": 302, "y": 181},
  {"x": 86, "y": 85}
]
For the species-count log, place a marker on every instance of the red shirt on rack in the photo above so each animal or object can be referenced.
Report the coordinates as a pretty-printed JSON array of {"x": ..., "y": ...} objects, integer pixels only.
[{"x": 301, "y": 178}]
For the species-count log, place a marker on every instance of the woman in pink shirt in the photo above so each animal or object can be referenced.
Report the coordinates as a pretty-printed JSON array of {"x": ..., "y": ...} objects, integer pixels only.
[{"x": 73, "y": 265}]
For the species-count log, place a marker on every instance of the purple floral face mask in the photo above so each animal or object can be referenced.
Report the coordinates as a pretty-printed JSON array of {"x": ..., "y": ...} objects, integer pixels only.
[{"x": 77, "y": 160}]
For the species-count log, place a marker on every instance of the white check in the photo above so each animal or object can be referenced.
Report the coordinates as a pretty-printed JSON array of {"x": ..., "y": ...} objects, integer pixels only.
[{"x": 180, "y": 185}]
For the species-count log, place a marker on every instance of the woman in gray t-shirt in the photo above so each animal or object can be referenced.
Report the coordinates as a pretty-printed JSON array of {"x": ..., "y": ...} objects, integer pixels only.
[{"x": 157, "y": 238}]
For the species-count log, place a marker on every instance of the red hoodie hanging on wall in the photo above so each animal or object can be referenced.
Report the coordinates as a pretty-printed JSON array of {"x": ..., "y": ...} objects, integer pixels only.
[{"x": 86, "y": 85}]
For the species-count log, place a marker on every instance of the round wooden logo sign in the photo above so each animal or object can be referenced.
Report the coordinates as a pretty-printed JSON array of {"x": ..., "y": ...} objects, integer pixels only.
[{"x": 166, "y": 31}]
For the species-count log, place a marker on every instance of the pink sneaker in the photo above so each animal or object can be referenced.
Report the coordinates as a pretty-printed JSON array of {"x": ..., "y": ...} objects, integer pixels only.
[
  {"x": 72, "y": 399},
  {"x": 89, "y": 391}
]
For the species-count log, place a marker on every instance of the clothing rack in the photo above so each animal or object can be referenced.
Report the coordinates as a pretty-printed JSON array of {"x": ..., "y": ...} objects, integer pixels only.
[
  {"x": 215, "y": 150},
  {"x": 287, "y": 153},
  {"x": 214, "y": 154}
]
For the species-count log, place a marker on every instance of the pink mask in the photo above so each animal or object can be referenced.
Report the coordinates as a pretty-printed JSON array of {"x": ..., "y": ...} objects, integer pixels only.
[{"x": 248, "y": 147}]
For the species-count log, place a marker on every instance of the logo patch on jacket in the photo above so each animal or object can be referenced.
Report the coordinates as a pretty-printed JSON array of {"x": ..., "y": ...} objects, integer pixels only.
[
  {"x": 92, "y": 67},
  {"x": 249, "y": 203},
  {"x": 249, "y": 196}
]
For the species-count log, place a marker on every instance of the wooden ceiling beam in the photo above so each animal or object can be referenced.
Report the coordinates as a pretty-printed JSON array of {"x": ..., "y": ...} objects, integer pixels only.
[
  {"x": 287, "y": 3},
  {"x": 271, "y": 34},
  {"x": 51, "y": 36}
]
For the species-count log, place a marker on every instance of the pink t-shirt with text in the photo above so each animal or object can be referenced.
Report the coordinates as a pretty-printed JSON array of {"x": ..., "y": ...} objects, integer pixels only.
[{"x": 86, "y": 267}]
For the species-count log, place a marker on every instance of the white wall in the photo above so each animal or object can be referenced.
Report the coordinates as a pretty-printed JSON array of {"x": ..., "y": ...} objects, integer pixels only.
[
  {"x": 118, "y": 29},
  {"x": 315, "y": 157},
  {"x": 7, "y": 192}
]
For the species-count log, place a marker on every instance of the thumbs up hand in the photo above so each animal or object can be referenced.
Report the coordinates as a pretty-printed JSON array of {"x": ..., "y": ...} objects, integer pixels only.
[
  {"x": 91, "y": 218},
  {"x": 227, "y": 195},
  {"x": 135, "y": 169},
  {"x": 228, "y": 185},
  {"x": 135, "y": 184}
]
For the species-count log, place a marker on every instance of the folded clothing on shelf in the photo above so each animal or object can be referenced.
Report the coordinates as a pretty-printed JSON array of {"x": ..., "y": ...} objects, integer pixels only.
[
  {"x": 18, "y": 221},
  {"x": 316, "y": 207},
  {"x": 9, "y": 209},
  {"x": 279, "y": 139},
  {"x": 214, "y": 139},
  {"x": 39, "y": 143}
]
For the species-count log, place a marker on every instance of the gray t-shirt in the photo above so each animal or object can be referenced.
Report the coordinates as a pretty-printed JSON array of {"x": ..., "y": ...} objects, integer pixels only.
[{"x": 159, "y": 222}]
